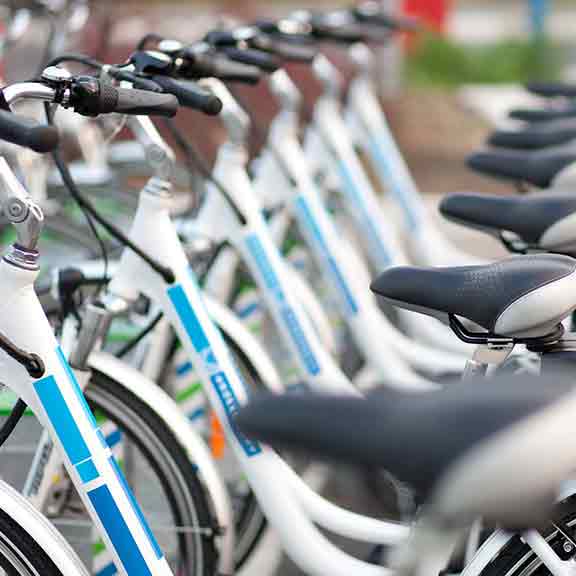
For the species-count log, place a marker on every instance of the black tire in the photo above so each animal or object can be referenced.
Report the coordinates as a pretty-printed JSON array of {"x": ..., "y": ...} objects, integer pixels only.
[
  {"x": 20, "y": 554},
  {"x": 196, "y": 553},
  {"x": 518, "y": 559}
]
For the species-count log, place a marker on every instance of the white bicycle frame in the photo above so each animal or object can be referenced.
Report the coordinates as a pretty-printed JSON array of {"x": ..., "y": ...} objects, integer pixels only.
[
  {"x": 330, "y": 143},
  {"x": 373, "y": 135},
  {"x": 342, "y": 267},
  {"x": 57, "y": 401}
]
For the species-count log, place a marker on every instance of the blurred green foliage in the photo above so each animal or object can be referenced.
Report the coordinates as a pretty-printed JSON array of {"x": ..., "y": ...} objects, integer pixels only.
[{"x": 439, "y": 61}]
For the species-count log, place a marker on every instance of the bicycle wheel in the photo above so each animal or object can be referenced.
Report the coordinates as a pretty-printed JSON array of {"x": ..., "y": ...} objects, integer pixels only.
[
  {"x": 20, "y": 554},
  {"x": 161, "y": 476},
  {"x": 518, "y": 559}
]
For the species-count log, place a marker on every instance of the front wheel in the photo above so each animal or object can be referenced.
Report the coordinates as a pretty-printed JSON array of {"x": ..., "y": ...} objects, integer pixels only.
[{"x": 20, "y": 554}]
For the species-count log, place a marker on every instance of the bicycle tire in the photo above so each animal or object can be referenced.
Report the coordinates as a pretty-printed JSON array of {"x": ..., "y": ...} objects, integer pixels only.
[
  {"x": 20, "y": 554},
  {"x": 518, "y": 559},
  {"x": 197, "y": 553}
]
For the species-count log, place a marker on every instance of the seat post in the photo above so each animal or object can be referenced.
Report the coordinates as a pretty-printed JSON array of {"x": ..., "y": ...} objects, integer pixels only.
[{"x": 484, "y": 356}]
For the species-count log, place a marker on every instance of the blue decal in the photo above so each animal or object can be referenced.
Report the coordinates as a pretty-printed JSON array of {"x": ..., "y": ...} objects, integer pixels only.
[
  {"x": 184, "y": 368},
  {"x": 311, "y": 224},
  {"x": 109, "y": 570},
  {"x": 290, "y": 319},
  {"x": 114, "y": 438},
  {"x": 61, "y": 418},
  {"x": 383, "y": 161},
  {"x": 248, "y": 310},
  {"x": 370, "y": 226},
  {"x": 87, "y": 471},
  {"x": 196, "y": 414},
  {"x": 232, "y": 406},
  {"x": 191, "y": 324},
  {"x": 118, "y": 532},
  {"x": 218, "y": 379},
  {"x": 76, "y": 387},
  {"x": 135, "y": 507}
]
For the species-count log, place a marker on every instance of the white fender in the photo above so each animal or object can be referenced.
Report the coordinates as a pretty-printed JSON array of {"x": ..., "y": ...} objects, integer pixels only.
[
  {"x": 232, "y": 326},
  {"x": 41, "y": 530},
  {"x": 151, "y": 394}
]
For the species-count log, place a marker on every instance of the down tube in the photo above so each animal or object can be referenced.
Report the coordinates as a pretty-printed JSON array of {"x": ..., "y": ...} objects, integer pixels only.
[{"x": 92, "y": 467}]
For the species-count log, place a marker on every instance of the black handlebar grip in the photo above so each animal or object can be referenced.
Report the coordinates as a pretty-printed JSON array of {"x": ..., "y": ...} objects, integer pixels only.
[
  {"x": 143, "y": 103},
  {"x": 373, "y": 15},
  {"x": 28, "y": 133},
  {"x": 190, "y": 95},
  {"x": 289, "y": 51},
  {"x": 266, "y": 62},
  {"x": 347, "y": 34}
]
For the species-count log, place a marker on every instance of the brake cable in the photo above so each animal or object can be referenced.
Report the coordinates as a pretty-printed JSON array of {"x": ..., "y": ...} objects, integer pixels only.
[
  {"x": 202, "y": 166},
  {"x": 35, "y": 368},
  {"x": 165, "y": 272}
]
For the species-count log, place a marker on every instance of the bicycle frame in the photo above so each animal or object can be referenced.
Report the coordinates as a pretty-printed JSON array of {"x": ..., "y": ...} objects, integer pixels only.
[
  {"x": 182, "y": 303},
  {"x": 58, "y": 403},
  {"x": 330, "y": 140},
  {"x": 47, "y": 463},
  {"x": 342, "y": 267},
  {"x": 374, "y": 136}
]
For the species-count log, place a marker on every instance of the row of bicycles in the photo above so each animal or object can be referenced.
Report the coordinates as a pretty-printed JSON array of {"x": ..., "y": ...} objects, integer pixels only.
[{"x": 193, "y": 334}]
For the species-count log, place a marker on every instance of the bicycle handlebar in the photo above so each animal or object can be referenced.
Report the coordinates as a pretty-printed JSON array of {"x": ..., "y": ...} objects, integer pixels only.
[
  {"x": 208, "y": 65},
  {"x": 190, "y": 95},
  {"x": 290, "y": 52},
  {"x": 91, "y": 97},
  {"x": 371, "y": 13},
  {"x": 266, "y": 62},
  {"x": 28, "y": 133}
]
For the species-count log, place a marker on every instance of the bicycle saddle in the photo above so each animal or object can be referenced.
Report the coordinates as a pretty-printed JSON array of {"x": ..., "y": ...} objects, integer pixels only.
[
  {"x": 538, "y": 168},
  {"x": 552, "y": 89},
  {"x": 420, "y": 438},
  {"x": 522, "y": 297},
  {"x": 543, "y": 115},
  {"x": 541, "y": 221},
  {"x": 535, "y": 137}
]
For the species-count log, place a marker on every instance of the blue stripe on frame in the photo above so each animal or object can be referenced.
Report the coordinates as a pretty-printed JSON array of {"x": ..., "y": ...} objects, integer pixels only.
[
  {"x": 109, "y": 570},
  {"x": 136, "y": 507},
  {"x": 312, "y": 225},
  {"x": 76, "y": 387},
  {"x": 87, "y": 471},
  {"x": 186, "y": 314},
  {"x": 118, "y": 532},
  {"x": 61, "y": 418},
  {"x": 114, "y": 438}
]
